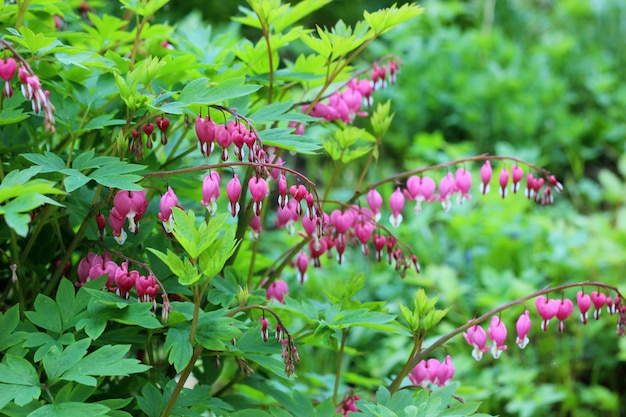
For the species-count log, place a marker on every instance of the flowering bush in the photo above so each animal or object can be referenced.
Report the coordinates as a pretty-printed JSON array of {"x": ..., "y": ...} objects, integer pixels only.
[{"x": 166, "y": 202}]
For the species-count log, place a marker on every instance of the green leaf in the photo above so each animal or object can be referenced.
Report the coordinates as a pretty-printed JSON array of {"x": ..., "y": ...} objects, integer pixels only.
[
  {"x": 106, "y": 361},
  {"x": 434, "y": 317},
  {"x": 56, "y": 362},
  {"x": 8, "y": 323},
  {"x": 49, "y": 162},
  {"x": 213, "y": 330},
  {"x": 179, "y": 347},
  {"x": 151, "y": 400},
  {"x": 200, "y": 91},
  {"x": 10, "y": 116},
  {"x": 20, "y": 394},
  {"x": 70, "y": 410},
  {"x": 18, "y": 371},
  {"x": 285, "y": 139},
  {"x": 46, "y": 314},
  {"x": 383, "y": 20},
  {"x": 185, "y": 231}
]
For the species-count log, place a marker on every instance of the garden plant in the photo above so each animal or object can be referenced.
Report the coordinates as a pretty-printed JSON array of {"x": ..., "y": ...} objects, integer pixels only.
[{"x": 202, "y": 223}]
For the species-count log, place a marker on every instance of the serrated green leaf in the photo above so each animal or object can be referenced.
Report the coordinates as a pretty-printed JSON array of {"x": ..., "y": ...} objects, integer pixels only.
[
  {"x": 384, "y": 20},
  {"x": 8, "y": 323},
  {"x": 106, "y": 361},
  {"x": 46, "y": 314},
  {"x": 213, "y": 330},
  {"x": 10, "y": 116},
  {"x": 433, "y": 317},
  {"x": 179, "y": 347},
  {"x": 48, "y": 162},
  {"x": 56, "y": 362}
]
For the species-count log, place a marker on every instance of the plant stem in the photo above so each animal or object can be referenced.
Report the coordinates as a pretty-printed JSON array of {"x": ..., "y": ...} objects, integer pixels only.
[
  {"x": 17, "y": 265},
  {"x": 344, "y": 336},
  {"x": 395, "y": 384},
  {"x": 22, "y": 6},
  {"x": 181, "y": 381}
]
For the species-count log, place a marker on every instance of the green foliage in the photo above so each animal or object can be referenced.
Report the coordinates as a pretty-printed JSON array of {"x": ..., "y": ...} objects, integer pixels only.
[{"x": 184, "y": 319}]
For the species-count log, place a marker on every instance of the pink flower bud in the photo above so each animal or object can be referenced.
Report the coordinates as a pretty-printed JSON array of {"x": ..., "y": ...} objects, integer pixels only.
[
  {"x": 396, "y": 203},
  {"x": 277, "y": 290},
  {"x": 211, "y": 191},
  {"x": 547, "y": 310},
  {"x": 503, "y": 180},
  {"x": 375, "y": 202},
  {"x": 463, "y": 184},
  {"x": 302, "y": 263},
  {"x": 485, "y": 177},
  {"x": 497, "y": 333},
  {"x": 523, "y": 327},
  {"x": 264, "y": 331},
  {"x": 475, "y": 336},
  {"x": 565, "y": 309},
  {"x": 233, "y": 190},
  {"x": 584, "y": 304},
  {"x": 8, "y": 67},
  {"x": 258, "y": 191},
  {"x": 599, "y": 300},
  {"x": 445, "y": 372},
  {"x": 117, "y": 222},
  {"x": 517, "y": 174},
  {"x": 168, "y": 200},
  {"x": 447, "y": 186}
]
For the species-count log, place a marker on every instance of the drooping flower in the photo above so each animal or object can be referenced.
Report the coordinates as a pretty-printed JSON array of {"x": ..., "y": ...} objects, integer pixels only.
[
  {"x": 277, "y": 290},
  {"x": 375, "y": 202},
  {"x": 447, "y": 186},
  {"x": 125, "y": 280},
  {"x": 497, "y": 333},
  {"x": 396, "y": 203},
  {"x": 523, "y": 327},
  {"x": 445, "y": 372},
  {"x": 302, "y": 263},
  {"x": 419, "y": 375},
  {"x": 547, "y": 309},
  {"x": 258, "y": 191},
  {"x": 584, "y": 304},
  {"x": 117, "y": 222},
  {"x": 264, "y": 331},
  {"x": 420, "y": 189},
  {"x": 168, "y": 200},
  {"x": 517, "y": 174},
  {"x": 503, "y": 179},
  {"x": 211, "y": 191},
  {"x": 132, "y": 205},
  {"x": 485, "y": 177},
  {"x": 475, "y": 336},
  {"x": 463, "y": 183},
  {"x": 233, "y": 190},
  {"x": 565, "y": 309},
  {"x": 599, "y": 300}
]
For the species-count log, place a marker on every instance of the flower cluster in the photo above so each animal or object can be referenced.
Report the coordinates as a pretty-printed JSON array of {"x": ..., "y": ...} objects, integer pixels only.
[
  {"x": 344, "y": 105},
  {"x": 120, "y": 279},
  {"x": 127, "y": 205},
  {"x": 548, "y": 309},
  {"x": 348, "y": 405},
  {"x": 30, "y": 86},
  {"x": 235, "y": 132},
  {"x": 136, "y": 144},
  {"x": 432, "y": 371}
]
